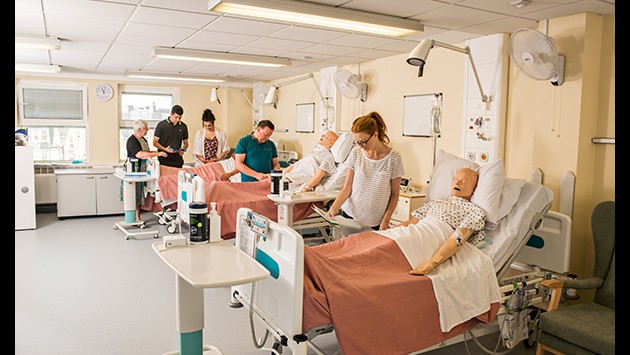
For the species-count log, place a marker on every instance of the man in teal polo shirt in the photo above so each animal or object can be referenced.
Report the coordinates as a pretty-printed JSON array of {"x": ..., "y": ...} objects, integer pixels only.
[{"x": 255, "y": 155}]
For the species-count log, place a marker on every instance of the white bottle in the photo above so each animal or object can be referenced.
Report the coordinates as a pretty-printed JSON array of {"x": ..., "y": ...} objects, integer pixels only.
[{"x": 215, "y": 223}]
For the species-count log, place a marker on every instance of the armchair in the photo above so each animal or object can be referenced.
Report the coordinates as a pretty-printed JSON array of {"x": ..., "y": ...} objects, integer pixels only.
[{"x": 587, "y": 327}]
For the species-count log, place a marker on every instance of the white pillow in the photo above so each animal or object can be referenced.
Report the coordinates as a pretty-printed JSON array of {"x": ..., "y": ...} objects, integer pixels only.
[
  {"x": 342, "y": 147},
  {"x": 489, "y": 188},
  {"x": 509, "y": 196},
  {"x": 444, "y": 171}
]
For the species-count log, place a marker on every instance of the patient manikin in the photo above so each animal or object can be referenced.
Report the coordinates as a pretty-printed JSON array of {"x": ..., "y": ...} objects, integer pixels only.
[
  {"x": 314, "y": 169},
  {"x": 463, "y": 215}
]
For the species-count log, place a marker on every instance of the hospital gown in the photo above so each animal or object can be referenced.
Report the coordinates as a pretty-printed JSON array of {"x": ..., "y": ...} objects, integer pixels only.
[
  {"x": 306, "y": 168},
  {"x": 457, "y": 212}
]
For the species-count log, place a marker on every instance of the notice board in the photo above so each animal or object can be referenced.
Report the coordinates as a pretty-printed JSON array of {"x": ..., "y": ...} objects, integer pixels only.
[
  {"x": 305, "y": 118},
  {"x": 417, "y": 114}
]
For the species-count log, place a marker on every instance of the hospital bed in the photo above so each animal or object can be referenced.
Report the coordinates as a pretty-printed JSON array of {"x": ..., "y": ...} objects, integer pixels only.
[
  {"x": 178, "y": 186},
  {"x": 183, "y": 188},
  {"x": 388, "y": 312}
]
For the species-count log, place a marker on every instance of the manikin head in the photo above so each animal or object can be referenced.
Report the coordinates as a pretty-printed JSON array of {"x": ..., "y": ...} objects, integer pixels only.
[
  {"x": 464, "y": 183},
  {"x": 328, "y": 139}
]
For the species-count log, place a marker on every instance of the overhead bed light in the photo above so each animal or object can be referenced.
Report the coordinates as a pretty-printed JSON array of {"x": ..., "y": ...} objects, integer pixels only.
[
  {"x": 418, "y": 57},
  {"x": 319, "y": 15},
  {"x": 215, "y": 98},
  {"x": 38, "y": 42},
  {"x": 219, "y": 57},
  {"x": 37, "y": 68},
  {"x": 272, "y": 94},
  {"x": 177, "y": 77}
]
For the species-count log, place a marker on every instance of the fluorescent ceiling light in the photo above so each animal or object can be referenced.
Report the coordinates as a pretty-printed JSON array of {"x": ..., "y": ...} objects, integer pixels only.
[
  {"x": 319, "y": 15},
  {"x": 52, "y": 43},
  {"x": 219, "y": 57},
  {"x": 37, "y": 68},
  {"x": 168, "y": 76}
]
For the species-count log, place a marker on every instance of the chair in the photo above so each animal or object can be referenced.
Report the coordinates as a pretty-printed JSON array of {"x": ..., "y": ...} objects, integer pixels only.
[{"x": 587, "y": 327}]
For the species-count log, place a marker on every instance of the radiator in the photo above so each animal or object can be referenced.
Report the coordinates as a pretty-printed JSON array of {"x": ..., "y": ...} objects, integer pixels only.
[{"x": 45, "y": 188}]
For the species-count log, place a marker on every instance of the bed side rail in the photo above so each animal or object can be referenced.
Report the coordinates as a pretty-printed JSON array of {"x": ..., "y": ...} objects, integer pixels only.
[{"x": 277, "y": 300}]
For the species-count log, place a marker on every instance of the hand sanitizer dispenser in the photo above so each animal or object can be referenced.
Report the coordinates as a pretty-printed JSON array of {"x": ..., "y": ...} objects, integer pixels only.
[{"x": 215, "y": 223}]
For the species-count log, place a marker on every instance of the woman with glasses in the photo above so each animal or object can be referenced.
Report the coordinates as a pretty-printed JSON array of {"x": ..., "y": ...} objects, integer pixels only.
[
  {"x": 210, "y": 142},
  {"x": 370, "y": 192}
]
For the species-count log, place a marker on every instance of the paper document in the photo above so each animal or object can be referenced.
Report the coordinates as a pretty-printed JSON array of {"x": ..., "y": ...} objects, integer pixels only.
[{"x": 347, "y": 225}]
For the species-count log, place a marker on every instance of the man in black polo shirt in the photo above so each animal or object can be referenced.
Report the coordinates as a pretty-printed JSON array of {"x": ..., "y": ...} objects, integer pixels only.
[{"x": 171, "y": 136}]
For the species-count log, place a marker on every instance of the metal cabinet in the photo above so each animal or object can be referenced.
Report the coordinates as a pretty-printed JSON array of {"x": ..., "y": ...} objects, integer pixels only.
[{"x": 88, "y": 192}]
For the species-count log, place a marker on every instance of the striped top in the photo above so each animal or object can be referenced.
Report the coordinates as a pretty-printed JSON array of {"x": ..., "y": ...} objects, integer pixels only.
[{"x": 371, "y": 185}]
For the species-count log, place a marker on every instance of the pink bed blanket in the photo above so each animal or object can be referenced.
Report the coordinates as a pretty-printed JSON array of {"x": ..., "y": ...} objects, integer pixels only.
[
  {"x": 361, "y": 284},
  {"x": 229, "y": 196}
]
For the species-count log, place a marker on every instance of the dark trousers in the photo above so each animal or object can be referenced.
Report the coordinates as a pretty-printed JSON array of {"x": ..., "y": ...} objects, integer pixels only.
[{"x": 350, "y": 217}]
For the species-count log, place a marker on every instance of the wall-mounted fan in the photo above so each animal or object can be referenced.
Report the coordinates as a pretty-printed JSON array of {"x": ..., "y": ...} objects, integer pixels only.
[
  {"x": 259, "y": 91},
  {"x": 535, "y": 54},
  {"x": 350, "y": 84}
]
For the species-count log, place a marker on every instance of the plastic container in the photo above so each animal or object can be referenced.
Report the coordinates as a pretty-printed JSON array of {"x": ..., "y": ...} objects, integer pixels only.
[
  {"x": 276, "y": 182},
  {"x": 198, "y": 212},
  {"x": 215, "y": 223}
]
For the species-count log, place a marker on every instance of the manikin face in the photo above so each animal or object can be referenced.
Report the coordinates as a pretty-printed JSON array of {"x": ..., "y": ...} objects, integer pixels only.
[
  {"x": 328, "y": 139},
  {"x": 465, "y": 183}
]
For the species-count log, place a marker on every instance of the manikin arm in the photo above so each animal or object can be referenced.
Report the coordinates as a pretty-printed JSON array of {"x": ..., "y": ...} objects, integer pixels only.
[
  {"x": 312, "y": 183},
  {"x": 451, "y": 246}
]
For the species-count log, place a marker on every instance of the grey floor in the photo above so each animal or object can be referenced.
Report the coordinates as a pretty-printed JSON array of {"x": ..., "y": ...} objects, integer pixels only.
[{"x": 81, "y": 288}]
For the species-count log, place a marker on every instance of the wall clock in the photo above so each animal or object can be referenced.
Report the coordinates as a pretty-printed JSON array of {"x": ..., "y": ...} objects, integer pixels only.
[{"x": 104, "y": 92}]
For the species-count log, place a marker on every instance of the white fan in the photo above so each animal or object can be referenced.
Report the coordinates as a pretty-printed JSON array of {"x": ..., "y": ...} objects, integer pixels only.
[
  {"x": 535, "y": 54},
  {"x": 350, "y": 84},
  {"x": 259, "y": 91}
]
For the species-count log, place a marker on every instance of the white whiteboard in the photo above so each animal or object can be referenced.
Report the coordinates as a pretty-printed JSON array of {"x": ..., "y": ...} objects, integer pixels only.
[
  {"x": 417, "y": 120},
  {"x": 305, "y": 118}
]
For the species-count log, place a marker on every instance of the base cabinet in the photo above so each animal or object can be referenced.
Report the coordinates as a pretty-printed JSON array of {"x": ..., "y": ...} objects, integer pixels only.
[
  {"x": 407, "y": 202},
  {"x": 88, "y": 192}
]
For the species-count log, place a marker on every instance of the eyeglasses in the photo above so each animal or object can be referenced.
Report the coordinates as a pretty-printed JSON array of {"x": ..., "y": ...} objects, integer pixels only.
[{"x": 362, "y": 143}]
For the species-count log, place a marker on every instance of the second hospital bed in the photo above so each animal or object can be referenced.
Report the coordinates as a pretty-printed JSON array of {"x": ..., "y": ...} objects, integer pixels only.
[
  {"x": 360, "y": 287},
  {"x": 178, "y": 187}
]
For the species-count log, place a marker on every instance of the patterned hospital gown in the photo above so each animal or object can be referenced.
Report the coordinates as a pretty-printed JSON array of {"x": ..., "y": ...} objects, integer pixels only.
[
  {"x": 325, "y": 161},
  {"x": 457, "y": 212}
]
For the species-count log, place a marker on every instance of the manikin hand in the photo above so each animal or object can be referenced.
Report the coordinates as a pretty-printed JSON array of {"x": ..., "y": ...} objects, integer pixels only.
[
  {"x": 423, "y": 268},
  {"x": 224, "y": 177}
]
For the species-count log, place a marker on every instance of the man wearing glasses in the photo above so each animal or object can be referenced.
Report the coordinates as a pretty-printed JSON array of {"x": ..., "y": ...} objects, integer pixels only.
[{"x": 255, "y": 155}]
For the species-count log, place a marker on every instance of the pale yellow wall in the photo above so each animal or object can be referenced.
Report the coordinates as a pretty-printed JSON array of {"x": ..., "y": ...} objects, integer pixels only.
[{"x": 546, "y": 127}]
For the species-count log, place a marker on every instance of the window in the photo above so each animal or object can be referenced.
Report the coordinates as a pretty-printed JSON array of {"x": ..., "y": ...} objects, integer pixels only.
[
  {"x": 55, "y": 114},
  {"x": 149, "y": 103}
]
